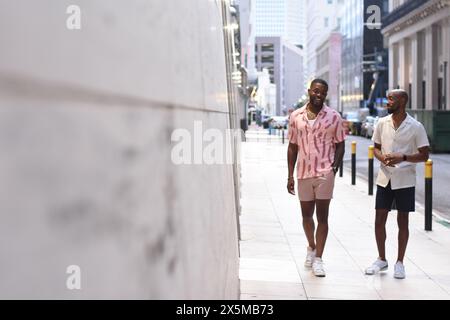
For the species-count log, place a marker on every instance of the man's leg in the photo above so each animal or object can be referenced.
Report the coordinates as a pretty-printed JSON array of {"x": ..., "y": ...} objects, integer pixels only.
[
  {"x": 308, "y": 221},
  {"x": 403, "y": 234},
  {"x": 322, "y": 207},
  {"x": 380, "y": 231}
]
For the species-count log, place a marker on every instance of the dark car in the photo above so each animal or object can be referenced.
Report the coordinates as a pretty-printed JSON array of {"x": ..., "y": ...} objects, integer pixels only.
[
  {"x": 265, "y": 119},
  {"x": 355, "y": 123}
]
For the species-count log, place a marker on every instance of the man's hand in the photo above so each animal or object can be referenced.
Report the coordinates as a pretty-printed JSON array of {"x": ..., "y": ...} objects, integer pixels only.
[
  {"x": 291, "y": 186},
  {"x": 392, "y": 159},
  {"x": 346, "y": 125}
]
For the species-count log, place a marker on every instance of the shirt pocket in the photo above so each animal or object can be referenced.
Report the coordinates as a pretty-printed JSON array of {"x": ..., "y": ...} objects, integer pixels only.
[{"x": 404, "y": 142}]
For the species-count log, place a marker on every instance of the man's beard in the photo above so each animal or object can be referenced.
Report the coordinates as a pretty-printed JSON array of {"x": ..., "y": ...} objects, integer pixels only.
[
  {"x": 391, "y": 110},
  {"x": 317, "y": 103}
]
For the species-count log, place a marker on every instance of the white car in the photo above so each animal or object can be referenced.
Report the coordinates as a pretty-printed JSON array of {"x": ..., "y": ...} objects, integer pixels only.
[
  {"x": 368, "y": 127},
  {"x": 279, "y": 122}
]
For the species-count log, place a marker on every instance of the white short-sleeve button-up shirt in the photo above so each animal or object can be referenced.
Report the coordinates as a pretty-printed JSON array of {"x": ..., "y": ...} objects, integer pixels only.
[{"x": 410, "y": 136}]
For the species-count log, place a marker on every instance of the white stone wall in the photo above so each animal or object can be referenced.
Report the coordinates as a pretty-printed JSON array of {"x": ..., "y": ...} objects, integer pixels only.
[
  {"x": 293, "y": 74},
  {"x": 86, "y": 176}
]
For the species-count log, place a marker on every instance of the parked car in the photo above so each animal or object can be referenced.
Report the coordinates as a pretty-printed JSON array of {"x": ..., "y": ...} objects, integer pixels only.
[
  {"x": 368, "y": 126},
  {"x": 265, "y": 119},
  {"x": 279, "y": 122},
  {"x": 354, "y": 121}
]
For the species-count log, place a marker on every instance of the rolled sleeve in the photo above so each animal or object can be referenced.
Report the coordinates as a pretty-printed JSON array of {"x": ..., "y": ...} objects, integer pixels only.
[
  {"x": 421, "y": 137},
  {"x": 341, "y": 133},
  {"x": 376, "y": 138}
]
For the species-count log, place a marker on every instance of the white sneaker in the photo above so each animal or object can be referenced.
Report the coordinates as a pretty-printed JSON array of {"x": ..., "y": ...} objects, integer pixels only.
[
  {"x": 310, "y": 255},
  {"x": 399, "y": 270},
  {"x": 377, "y": 266},
  {"x": 318, "y": 267}
]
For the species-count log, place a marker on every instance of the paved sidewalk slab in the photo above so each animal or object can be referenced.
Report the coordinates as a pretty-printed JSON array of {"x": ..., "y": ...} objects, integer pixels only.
[{"x": 273, "y": 245}]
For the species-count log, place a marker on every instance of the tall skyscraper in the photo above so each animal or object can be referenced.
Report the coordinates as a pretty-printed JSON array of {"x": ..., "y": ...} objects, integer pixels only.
[
  {"x": 279, "y": 18},
  {"x": 322, "y": 17},
  {"x": 303, "y": 24},
  {"x": 247, "y": 29}
]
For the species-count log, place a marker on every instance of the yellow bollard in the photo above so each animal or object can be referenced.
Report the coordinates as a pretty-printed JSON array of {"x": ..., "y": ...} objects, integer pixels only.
[
  {"x": 371, "y": 170},
  {"x": 428, "y": 194},
  {"x": 429, "y": 169},
  {"x": 353, "y": 162},
  {"x": 371, "y": 152}
]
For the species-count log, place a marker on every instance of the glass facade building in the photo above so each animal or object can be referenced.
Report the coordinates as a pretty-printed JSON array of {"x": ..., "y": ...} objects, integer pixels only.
[
  {"x": 362, "y": 51},
  {"x": 280, "y": 18}
]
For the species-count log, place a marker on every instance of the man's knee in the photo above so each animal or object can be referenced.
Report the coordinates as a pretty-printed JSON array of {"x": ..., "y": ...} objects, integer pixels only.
[
  {"x": 322, "y": 222},
  {"x": 381, "y": 217},
  {"x": 403, "y": 220},
  {"x": 322, "y": 218},
  {"x": 380, "y": 223}
]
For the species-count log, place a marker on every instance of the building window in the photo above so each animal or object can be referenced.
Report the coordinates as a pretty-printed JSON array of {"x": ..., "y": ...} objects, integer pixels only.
[
  {"x": 330, "y": 1},
  {"x": 267, "y": 47},
  {"x": 326, "y": 20},
  {"x": 268, "y": 59}
]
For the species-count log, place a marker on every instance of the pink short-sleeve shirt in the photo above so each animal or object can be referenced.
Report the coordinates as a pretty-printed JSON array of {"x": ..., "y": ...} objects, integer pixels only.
[{"x": 316, "y": 143}]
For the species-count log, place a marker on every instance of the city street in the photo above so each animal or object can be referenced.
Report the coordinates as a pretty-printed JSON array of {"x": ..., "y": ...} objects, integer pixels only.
[
  {"x": 145, "y": 148},
  {"x": 273, "y": 243},
  {"x": 441, "y": 169},
  {"x": 441, "y": 174}
]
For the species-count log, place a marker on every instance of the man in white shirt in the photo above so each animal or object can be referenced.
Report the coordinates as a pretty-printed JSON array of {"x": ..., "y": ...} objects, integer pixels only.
[{"x": 400, "y": 142}]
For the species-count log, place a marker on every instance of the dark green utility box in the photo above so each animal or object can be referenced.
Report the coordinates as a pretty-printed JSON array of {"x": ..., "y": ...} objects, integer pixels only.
[{"x": 437, "y": 125}]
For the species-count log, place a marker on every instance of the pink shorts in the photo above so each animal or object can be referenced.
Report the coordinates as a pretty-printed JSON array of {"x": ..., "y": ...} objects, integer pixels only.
[{"x": 320, "y": 188}]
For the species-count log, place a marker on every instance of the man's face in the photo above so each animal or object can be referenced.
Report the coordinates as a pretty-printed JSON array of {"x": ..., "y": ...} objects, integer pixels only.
[
  {"x": 317, "y": 94},
  {"x": 393, "y": 103}
]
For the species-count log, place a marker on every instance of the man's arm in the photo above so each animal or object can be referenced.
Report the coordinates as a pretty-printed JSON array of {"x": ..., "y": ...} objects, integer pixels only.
[
  {"x": 292, "y": 159},
  {"x": 421, "y": 156},
  {"x": 338, "y": 155},
  {"x": 379, "y": 155},
  {"x": 377, "y": 152}
]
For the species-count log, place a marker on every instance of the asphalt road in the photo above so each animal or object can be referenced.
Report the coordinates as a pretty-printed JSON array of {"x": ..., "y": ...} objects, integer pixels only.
[{"x": 441, "y": 173}]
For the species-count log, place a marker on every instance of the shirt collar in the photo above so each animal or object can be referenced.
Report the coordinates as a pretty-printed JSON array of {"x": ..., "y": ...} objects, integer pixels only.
[{"x": 406, "y": 121}]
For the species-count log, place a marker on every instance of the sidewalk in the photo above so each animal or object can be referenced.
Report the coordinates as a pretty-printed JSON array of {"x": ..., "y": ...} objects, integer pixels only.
[{"x": 273, "y": 245}]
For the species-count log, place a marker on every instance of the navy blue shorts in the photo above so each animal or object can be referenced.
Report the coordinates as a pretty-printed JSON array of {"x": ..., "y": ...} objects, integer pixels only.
[{"x": 402, "y": 200}]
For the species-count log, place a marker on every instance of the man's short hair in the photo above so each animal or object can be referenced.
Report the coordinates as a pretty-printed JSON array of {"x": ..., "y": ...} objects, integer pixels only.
[
  {"x": 402, "y": 93},
  {"x": 321, "y": 81}
]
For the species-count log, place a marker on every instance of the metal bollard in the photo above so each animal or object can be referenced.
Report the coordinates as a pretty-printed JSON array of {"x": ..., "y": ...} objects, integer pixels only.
[
  {"x": 353, "y": 162},
  {"x": 282, "y": 136},
  {"x": 371, "y": 170},
  {"x": 428, "y": 194},
  {"x": 341, "y": 169}
]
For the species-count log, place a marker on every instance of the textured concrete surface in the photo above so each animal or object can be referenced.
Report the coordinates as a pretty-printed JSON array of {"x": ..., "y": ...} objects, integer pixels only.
[
  {"x": 86, "y": 176},
  {"x": 273, "y": 244}
]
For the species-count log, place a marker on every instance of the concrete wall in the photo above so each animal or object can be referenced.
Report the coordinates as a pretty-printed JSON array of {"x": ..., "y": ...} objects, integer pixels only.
[
  {"x": 335, "y": 68},
  {"x": 86, "y": 177},
  {"x": 293, "y": 74}
]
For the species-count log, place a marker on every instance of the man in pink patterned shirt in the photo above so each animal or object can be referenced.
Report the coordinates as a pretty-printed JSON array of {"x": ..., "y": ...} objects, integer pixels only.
[{"x": 316, "y": 142}]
